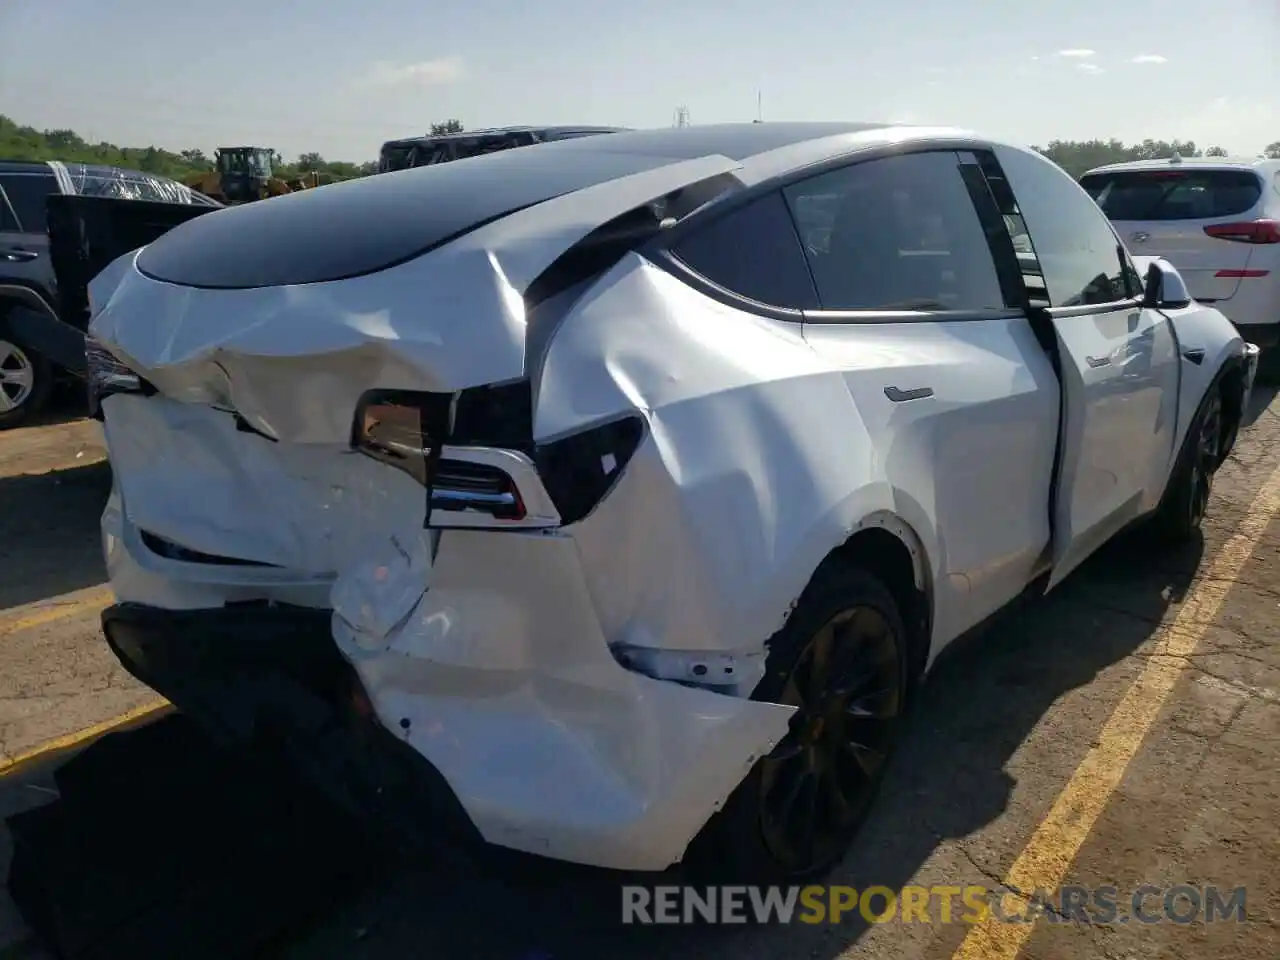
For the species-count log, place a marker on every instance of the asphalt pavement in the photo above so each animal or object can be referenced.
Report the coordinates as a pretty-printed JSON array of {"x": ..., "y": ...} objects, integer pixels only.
[{"x": 1123, "y": 732}]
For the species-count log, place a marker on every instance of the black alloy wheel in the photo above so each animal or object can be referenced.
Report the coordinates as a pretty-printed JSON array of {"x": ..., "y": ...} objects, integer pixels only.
[
  {"x": 818, "y": 783},
  {"x": 1204, "y": 458}
]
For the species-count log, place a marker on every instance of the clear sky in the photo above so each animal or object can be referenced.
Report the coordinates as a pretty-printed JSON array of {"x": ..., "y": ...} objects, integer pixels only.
[{"x": 341, "y": 77}]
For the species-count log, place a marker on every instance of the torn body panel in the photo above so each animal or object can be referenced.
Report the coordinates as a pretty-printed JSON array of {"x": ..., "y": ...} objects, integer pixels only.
[
  {"x": 583, "y": 690},
  {"x": 485, "y": 649},
  {"x": 808, "y": 446}
]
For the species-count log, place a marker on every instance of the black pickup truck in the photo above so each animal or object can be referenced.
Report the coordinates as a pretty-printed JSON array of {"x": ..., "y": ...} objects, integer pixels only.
[{"x": 60, "y": 224}]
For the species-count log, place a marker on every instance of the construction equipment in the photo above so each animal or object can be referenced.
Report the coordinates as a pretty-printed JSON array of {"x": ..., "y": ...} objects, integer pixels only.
[
  {"x": 240, "y": 175},
  {"x": 310, "y": 180}
]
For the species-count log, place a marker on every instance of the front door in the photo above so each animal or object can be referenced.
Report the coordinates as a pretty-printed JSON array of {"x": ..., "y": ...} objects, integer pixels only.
[{"x": 1118, "y": 363}]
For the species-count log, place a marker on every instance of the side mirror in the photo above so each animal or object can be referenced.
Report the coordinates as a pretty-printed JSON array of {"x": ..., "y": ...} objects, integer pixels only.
[{"x": 1165, "y": 288}]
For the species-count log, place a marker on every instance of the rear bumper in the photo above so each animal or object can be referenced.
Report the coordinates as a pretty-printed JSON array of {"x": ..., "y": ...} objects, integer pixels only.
[
  {"x": 271, "y": 677},
  {"x": 1252, "y": 358},
  {"x": 564, "y": 754}
]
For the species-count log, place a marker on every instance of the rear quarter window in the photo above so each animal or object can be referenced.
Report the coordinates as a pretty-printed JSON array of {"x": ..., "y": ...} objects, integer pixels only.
[
  {"x": 1174, "y": 194},
  {"x": 754, "y": 252}
]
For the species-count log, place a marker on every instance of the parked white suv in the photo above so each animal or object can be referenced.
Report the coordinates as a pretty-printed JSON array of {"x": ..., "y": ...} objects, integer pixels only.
[{"x": 1216, "y": 220}]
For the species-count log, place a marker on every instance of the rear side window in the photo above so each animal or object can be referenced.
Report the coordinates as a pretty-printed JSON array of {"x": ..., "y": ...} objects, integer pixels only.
[
  {"x": 8, "y": 219},
  {"x": 754, "y": 252},
  {"x": 27, "y": 193},
  {"x": 898, "y": 233},
  {"x": 1174, "y": 194}
]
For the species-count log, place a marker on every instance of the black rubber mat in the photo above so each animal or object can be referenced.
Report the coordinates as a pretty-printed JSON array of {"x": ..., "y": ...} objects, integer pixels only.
[{"x": 161, "y": 846}]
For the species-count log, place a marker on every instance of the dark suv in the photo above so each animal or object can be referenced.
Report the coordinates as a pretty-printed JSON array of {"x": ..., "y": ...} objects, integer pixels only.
[
  {"x": 41, "y": 332},
  {"x": 423, "y": 151}
]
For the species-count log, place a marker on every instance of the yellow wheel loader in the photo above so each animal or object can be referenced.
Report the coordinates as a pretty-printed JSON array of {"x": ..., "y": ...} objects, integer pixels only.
[{"x": 240, "y": 175}]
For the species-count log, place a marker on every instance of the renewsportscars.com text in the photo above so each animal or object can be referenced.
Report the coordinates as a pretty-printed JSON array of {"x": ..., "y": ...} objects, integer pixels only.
[{"x": 939, "y": 904}]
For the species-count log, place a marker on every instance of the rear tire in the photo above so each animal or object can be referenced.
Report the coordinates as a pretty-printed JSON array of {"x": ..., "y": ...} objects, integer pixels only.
[
  {"x": 26, "y": 380},
  {"x": 1186, "y": 499},
  {"x": 842, "y": 659}
]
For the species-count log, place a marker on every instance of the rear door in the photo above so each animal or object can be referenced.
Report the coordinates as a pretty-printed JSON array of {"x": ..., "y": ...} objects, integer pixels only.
[
  {"x": 1118, "y": 362},
  {"x": 24, "y": 246},
  {"x": 1164, "y": 212}
]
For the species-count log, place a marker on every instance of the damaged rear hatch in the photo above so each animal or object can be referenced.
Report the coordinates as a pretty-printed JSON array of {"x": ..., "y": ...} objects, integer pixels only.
[{"x": 236, "y": 353}]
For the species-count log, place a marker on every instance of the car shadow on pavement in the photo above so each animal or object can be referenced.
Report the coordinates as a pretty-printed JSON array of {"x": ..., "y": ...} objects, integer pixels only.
[
  {"x": 49, "y": 538},
  {"x": 949, "y": 779},
  {"x": 1259, "y": 401}
]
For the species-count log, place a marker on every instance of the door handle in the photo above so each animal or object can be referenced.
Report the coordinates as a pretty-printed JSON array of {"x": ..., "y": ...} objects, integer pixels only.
[
  {"x": 1099, "y": 361},
  {"x": 915, "y": 393},
  {"x": 19, "y": 256},
  {"x": 1194, "y": 354}
]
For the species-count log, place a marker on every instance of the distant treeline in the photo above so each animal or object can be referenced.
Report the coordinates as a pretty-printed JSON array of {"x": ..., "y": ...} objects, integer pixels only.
[{"x": 28, "y": 143}]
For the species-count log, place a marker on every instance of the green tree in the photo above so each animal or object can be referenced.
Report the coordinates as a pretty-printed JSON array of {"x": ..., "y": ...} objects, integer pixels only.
[
  {"x": 1216, "y": 152},
  {"x": 448, "y": 126},
  {"x": 1273, "y": 150}
]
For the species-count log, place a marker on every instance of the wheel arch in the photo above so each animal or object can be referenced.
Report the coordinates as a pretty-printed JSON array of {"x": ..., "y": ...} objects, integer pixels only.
[{"x": 887, "y": 546}]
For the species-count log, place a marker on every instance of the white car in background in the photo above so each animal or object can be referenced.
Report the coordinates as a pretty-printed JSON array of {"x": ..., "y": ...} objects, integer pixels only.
[
  {"x": 1216, "y": 220},
  {"x": 615, "y": 493}
]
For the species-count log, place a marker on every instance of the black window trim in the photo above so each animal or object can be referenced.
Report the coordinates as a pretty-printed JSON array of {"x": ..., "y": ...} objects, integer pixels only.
[
  {"x": 1075, "y": 310},
  {"x": 659, "y": 251},
  {"x": 1092, "y": 309},
  {"x": 667, "y": 259}
]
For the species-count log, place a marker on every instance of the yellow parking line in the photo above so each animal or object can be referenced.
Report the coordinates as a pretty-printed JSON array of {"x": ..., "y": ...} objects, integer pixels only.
[
  {"x": 1044, "y": 862},
  {"x": 91, "y": 599},
  {"x": 82, "y": 738}
]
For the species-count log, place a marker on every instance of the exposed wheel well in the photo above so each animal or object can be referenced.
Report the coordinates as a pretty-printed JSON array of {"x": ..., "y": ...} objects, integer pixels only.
[
  {"x": 1229, "y": 388},
  {"x": 884, "y": 555}
]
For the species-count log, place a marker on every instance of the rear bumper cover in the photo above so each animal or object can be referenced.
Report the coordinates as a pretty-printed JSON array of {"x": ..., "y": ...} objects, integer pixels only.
[
  {"x": 271, "y": 677},
  {"x": 1252, "y": 358},
  {"x": 575, "y": 758}
]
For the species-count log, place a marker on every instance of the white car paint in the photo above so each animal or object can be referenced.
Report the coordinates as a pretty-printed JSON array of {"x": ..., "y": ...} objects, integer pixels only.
[
  {"x": 1242, "y": 279},
  {"x": 768, "y": 443}
]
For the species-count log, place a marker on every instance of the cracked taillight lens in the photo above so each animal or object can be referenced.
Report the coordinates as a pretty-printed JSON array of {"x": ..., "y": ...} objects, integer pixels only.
[
  {"x": 105, "y": 375},
  {"x": 408, "y": 431}
]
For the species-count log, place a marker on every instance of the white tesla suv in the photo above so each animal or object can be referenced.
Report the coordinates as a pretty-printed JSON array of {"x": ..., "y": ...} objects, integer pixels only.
[
  {"x": 1216, "y": 220},
  {"x": 613, "y": 494}
]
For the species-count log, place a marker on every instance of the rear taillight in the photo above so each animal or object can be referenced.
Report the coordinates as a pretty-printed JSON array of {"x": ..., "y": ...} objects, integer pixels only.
[
  {"x": 105, "y": 375},
  {"x": 579, "y": 470},
  {"x": 471, "y": 453},
  {"x": 1250, "y": 231},
  {"x": 459, "y": 486},
  {"x": 409, "y": 430}
]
